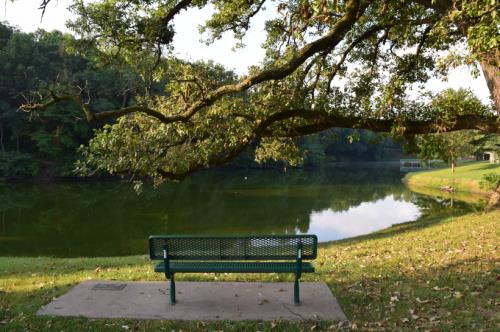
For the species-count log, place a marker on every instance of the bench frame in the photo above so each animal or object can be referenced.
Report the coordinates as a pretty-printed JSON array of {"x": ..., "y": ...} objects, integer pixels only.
[{"x": 298, "y": 257}]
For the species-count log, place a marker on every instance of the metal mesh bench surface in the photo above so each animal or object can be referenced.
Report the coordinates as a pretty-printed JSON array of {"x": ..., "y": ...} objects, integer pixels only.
[{"x": 233, "y": 248}]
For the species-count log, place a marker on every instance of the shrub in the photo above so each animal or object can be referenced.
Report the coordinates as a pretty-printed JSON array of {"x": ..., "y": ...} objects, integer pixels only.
[
  {"x": 14, "y": 164},
  {"x": 489, "y": 182}
]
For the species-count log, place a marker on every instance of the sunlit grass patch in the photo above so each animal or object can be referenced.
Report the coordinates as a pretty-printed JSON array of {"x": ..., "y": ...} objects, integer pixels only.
[{"x": 466, "y": 178}]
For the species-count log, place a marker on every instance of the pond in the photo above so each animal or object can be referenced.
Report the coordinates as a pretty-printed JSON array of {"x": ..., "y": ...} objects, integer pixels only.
[{"x": 110, "y": 219}]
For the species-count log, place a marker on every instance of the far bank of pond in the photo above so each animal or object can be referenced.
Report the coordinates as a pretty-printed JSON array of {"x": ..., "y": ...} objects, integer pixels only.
[
  {"x": 110, "y": 219},
  {"x": 466, "y": 178}
]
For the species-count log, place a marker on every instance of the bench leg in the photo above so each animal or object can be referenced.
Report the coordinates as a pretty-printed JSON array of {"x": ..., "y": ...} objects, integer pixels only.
[
  {"x": 172, "y": 290},
  {"x": 296, "y": 296}
]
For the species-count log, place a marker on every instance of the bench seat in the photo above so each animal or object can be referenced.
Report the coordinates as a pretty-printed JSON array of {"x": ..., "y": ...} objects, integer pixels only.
[
  {"x": 233, "y": 254},
  {"x": 234, "y": 267}
]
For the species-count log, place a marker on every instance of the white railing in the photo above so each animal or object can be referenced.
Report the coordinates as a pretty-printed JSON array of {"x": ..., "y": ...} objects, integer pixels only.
[{"x": 414, "y": 164}]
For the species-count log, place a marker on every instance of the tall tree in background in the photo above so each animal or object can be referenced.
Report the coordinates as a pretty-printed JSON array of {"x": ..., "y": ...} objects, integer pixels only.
[
  {"x": 47, "y": 141},
  {"x": 328, "y": 64},
  {"x": 449, "y": 147}
]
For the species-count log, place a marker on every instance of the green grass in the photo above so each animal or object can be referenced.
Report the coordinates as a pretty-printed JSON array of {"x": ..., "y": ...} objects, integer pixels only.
[
  {"x": 475, "y": 198},
  {"x": 436, "y": 275},
  {"x": 465, "y": 179}
]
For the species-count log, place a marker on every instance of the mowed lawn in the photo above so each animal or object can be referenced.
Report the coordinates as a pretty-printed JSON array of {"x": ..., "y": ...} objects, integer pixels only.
[
  {"x": 438, "y": 275},
  {"x": 466, "y": 178}
]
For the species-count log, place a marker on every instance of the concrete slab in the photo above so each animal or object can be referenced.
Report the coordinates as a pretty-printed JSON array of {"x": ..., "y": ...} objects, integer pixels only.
[{"x": 204, "y": 301}]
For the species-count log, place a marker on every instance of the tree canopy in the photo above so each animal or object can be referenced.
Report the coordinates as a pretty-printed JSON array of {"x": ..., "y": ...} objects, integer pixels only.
[
  {"x": 45, "y": 143},
  {"x": 328, "y": 63}
]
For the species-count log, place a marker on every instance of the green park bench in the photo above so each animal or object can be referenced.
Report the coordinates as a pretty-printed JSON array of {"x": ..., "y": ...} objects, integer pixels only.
[{"x": 233, "y": 254}]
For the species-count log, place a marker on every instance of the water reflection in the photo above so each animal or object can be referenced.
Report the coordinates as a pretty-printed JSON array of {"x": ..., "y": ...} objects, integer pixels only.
[
  {"x": 365, "y": 218},
  {"x": 106, "y": 219}
]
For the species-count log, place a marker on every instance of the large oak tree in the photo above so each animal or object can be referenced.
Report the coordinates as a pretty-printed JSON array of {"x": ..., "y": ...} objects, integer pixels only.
[{"x": 328, "y": 63}]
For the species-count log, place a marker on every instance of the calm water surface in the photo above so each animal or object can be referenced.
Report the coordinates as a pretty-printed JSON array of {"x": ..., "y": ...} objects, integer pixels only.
[{"x": 110, "y": 219}]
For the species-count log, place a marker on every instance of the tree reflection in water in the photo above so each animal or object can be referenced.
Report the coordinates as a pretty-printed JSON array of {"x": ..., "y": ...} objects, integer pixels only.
[{"x": 109, "y": 218}]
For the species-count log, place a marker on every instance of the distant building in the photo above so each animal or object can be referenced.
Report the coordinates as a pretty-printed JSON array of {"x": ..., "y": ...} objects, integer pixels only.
[
  {"x": 489, "y": 148},
  {"x": 492, "y": 156}
]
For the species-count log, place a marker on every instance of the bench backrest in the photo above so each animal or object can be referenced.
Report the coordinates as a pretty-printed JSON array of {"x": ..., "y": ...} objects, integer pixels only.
[{"x": 271, "y": 247}]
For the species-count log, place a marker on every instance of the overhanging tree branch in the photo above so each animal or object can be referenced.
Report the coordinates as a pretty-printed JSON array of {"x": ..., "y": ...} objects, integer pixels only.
[
  {"x": 324, "y": 120},
  {"x": 43, "y": 6},
  {"x": 219, "y": 159},
  {"x": 329, "y": 41},
  {"x": 89, "y": 114},
  {"x": 183, "y": 4}
]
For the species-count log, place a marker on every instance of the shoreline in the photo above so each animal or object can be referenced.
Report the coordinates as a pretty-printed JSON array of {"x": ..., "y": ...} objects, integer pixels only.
[{"x": 466, "y": 179}]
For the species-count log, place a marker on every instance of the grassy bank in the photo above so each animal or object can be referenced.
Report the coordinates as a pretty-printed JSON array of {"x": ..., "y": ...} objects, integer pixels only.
[
  {"x": 467, "y": 177},
  {"x": 477, "y": 199},
  {"x": 434, "y": 275}
]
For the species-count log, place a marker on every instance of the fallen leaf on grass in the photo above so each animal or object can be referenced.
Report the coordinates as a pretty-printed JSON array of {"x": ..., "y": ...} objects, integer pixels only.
[{"x": 262, "y": 299}]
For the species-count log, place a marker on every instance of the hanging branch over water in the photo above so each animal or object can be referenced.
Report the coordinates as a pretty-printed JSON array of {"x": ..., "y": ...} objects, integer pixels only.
[
  {"x": 43, "y": 6},
  {"x": 205, "y": 114}
]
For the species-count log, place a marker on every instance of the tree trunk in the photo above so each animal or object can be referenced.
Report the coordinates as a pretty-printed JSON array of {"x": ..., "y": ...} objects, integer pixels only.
[
  {"x": 494, "y": 201},
  {"x": 453, "y": 166},
  {"x": 489, "y": 62},
  {"x": 492, "y": 76}
]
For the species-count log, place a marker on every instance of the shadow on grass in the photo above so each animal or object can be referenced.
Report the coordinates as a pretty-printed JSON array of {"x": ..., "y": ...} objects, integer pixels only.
[
  {"x": 455, "y": 297},
  {"x": 486, "y": 166}
]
